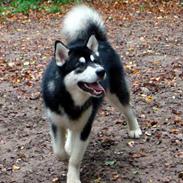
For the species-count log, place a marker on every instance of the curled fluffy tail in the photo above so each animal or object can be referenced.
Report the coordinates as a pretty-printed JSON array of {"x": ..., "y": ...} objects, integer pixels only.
[{"x": 81, "y": 22}]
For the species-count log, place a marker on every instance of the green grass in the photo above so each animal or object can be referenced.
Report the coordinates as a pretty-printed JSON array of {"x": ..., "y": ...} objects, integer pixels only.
[
  {"x": 3, "y": 9},
  {"x": 61, "y": 1},
  {"x": 24, "y": 6},
  {"x": 142, "y": 7},
  {"x": 52, "y": 8}
]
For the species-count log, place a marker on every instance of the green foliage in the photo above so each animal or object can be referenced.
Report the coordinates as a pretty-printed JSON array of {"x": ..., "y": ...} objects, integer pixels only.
[
  {"x": 65, "y": 1},
  {"x": 23, "y": 6},
  {"x": 61, "y": 1},
  {"x": 52, "y": 9},
  {"x": 5, "y": 10},
  {"x": 18, "y": 6},
  {"x": 142, "y": 7}
]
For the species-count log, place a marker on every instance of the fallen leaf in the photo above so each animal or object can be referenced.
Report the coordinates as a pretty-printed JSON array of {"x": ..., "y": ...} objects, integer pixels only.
[
  {"x": 156, "y": 62},
  {"x": 98, "y": 180},
  {"x": 35, "y": 96},
  {"x": 148, "y": 134},
  {"x": 135, "y": 172},
  {"x": 180, "y": 175},
  {"x": 174, "y": 131},
  {"x": 131, "y": 143},
  {"x": 179, "y": 154},
  {"x": 11, "y": 64},
  {"x": 138, "y": 155},
  {"x": 178, "y": 120},
  {"x": 145, "y": 90},
  {"x": 110, "y": 162},
  {"x": 155, "y": 109},
  {"x": 55, "y": 180},
  {"x": 15, "y": 168},
  {"x": 115, "y": 176},
  {"x": 154, "y": 123},
  {"x": 26, "y": 63},
  {"x": 149, "y": 99}
]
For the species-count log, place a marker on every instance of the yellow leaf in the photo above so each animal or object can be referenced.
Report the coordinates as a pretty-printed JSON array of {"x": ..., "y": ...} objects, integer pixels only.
[
  {"x": 11, "y": 64},
  {"x": 44, "y": 58},
  {"x": 147, "y": 133},
  {"x": 55, "y": 180},
  {"x": 18, "y": 81},
  {"x": 142, "y": 38},
  {"x": 131, "y": 143},
  {"x": 98, "y": 180},
  {"x": 174, "y": 130},
  {"x": 15, "y": 168},
  {"x": 143, "y": 95},
  {"x": 135, "y": 71},
  {"x": 155, "y": 109},
  {"x": 115, "y": 176},
  {"x": 131, "y": 49},
  {"x": 156, "y": 62},
  {"x": 26, "y": 63},
  {"x": 149, "y": 99}
]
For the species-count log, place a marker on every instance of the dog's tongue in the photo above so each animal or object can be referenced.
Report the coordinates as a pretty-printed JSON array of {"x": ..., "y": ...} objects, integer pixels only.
[{"x": 96, "y": 86}]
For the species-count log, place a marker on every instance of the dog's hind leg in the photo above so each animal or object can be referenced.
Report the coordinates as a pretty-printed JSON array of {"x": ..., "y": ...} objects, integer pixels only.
[
  {"x": 58, "y": 141},
  {"x": 134, "y": 130},
  {"x": 119, "y": 95}
]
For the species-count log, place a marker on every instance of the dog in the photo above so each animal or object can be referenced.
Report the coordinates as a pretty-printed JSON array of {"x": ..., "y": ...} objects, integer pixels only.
[{"x": 75, "y": 82}]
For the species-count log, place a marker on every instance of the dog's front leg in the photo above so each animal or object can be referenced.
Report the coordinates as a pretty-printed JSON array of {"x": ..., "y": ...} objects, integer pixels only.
[
  {"x": 58, "y": 141},
  {"x": 78, "y": 149}
]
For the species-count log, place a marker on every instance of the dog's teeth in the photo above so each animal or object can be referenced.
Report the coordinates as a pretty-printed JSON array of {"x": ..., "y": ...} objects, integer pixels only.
[
  {"x": 97, "y": 92},
  {"x": 87, "y": 86}
]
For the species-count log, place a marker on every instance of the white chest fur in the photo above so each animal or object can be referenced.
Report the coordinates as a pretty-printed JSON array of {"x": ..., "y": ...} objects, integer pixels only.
[{"x": 64, "y": 120}]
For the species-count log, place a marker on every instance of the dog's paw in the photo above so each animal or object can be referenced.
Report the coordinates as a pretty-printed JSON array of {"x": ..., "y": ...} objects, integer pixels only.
[
  {"x": 73, "y": 180},
  {"x": 62, "y": 156},
  {"x": 73, "y": 175},
  {"x": 135, "y": 133}
]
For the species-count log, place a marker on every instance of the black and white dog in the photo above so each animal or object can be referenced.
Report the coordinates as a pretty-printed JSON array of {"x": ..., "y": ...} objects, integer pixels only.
[{"x": 75, "y": 82}]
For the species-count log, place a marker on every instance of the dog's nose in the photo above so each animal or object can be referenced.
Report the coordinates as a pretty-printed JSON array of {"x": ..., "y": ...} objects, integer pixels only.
[{"x": 100, "y": 73}]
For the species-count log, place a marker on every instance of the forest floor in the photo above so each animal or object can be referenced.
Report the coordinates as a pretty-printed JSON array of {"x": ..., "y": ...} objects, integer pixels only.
[{"x": 151, "y": 45}]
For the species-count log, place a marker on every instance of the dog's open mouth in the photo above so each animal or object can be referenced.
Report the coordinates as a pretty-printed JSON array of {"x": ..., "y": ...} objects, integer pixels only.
[{"x": 94, "y": 89}]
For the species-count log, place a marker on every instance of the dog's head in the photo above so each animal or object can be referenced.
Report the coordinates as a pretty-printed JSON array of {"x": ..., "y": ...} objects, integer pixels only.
[{"x": 81, "y": 67}]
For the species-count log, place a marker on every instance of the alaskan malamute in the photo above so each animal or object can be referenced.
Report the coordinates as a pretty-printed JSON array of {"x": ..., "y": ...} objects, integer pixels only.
[{"x": 75, "y": 82}]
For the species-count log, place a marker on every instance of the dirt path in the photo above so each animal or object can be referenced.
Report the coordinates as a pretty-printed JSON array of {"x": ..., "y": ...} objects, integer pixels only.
[{"x": 152, "y": 48}]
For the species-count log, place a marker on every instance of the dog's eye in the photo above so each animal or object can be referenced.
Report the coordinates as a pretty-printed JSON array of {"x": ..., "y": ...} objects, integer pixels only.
[
  {"x": 92, "y": 58},
  {"x": 81, "y": 65}
]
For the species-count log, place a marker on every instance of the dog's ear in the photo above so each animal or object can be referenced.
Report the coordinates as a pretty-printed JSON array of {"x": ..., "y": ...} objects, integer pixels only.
[
  {"x": 61, "y": 53},
  {"x": 92, "y": 43}
]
